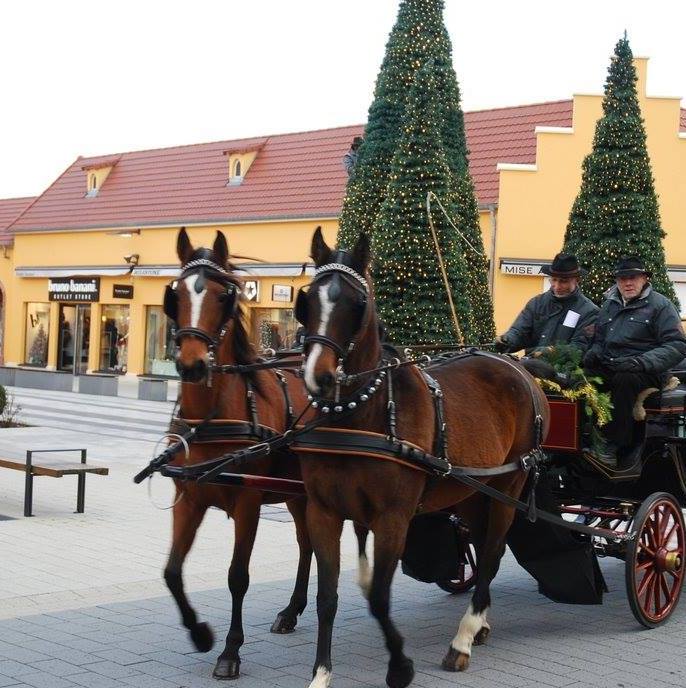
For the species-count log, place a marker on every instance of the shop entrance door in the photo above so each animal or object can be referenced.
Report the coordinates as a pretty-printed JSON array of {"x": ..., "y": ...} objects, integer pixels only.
[{"x": 74, "y": 338}]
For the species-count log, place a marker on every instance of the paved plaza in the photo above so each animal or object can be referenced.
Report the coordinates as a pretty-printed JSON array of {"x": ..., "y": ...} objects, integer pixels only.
[{"x": 82, "y": 602}]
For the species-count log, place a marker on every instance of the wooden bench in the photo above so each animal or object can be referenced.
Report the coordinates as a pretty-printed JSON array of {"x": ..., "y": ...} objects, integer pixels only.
[{"x": 54, "y": 470}]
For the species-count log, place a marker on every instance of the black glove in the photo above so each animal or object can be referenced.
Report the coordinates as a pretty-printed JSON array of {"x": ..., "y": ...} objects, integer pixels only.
[
  {"x": 591, "y": 359},
  {"x": 501, "y": 345},
  {"x": 629, "y": 364}
]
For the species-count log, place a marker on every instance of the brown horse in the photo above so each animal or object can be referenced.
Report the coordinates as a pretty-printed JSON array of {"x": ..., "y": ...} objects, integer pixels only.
[
  {"x": 210, "y": 324},
  {"x": 490, "y": 418}
]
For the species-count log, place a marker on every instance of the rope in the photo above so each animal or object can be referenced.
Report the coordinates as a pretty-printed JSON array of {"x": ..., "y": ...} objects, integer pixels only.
[{"x": 458, "y": 331}]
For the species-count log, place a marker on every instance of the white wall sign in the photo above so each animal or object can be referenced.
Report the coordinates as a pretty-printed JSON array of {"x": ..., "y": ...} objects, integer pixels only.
[
  {"x": 251, "y": 289},
  {"x": 521, "y": 269},
  {"x": 282, "y": 293}
]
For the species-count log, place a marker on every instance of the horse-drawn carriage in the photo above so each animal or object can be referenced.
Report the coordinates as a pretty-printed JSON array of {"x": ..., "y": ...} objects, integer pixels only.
[
  {"x": 380, "y": 439},
  {"x": 643, "y": 501}
]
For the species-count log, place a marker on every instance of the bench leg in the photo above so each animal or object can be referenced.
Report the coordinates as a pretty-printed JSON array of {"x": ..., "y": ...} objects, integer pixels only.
[
  {"x": 81, "y": 487},
  {"x": 28, "y": 487},
  {"x": 81, "y": 493}
]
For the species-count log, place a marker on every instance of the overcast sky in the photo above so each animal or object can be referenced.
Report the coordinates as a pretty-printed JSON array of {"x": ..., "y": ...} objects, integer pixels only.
[{"x": 89, "y": 78}]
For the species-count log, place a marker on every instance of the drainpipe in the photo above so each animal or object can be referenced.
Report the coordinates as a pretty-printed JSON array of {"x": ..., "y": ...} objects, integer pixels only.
[{"x": 492, "y": 211}]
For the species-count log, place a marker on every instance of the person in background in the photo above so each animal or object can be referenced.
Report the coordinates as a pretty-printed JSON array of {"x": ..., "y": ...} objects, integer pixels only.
[{"x": 350, "y": 158}]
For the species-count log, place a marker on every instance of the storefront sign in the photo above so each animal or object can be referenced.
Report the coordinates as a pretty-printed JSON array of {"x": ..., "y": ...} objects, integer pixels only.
[
  {"x": 74, "y": 289},
  {"x": 521, "y": 269},
  {"x": 282, "y": 292},
  {"x": 122, "y": 291},
  {"x": 251, "y": 290}
]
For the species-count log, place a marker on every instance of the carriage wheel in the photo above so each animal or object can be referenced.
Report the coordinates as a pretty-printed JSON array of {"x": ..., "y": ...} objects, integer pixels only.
[
  {"x": 467, "y": 569},
  {"x": 654, "y": 566}
]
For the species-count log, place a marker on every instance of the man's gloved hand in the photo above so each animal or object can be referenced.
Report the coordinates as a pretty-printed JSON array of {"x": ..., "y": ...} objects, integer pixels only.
[
  {"x": 543, "y": 351},
  {"x": 501, "y": 345},
  {"x": 591, "y": 359},
  {"x": 628, "y": 364}
]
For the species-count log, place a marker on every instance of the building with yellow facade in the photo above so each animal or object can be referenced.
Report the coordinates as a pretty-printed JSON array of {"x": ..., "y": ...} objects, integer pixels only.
[{"x": 85, "y": 263}]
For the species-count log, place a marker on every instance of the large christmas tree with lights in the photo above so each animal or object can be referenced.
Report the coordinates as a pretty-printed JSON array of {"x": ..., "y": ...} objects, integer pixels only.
[
  {"x": 407, "y": 274},
  {"x": 616, "y": 212},
  {"x": 420, "y": 37}
]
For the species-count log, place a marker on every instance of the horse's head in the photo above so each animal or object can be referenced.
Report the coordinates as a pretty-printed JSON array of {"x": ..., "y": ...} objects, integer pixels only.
[
  {"x": 334, "y": 310},
  {"x": 201, "y": 303}
]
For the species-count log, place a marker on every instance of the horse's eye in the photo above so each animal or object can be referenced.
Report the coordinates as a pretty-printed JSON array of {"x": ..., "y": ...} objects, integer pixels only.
[{"x": 222, "y": 297}]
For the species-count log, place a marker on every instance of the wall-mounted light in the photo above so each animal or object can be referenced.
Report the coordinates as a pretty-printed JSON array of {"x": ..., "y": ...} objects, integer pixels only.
[
  {"x": 124, "y": 233},
  {"x": 132, "y": 259}
]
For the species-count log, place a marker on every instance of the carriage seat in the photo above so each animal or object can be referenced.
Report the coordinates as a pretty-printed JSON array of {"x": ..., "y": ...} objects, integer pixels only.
[{"x": 671, "y": 400}]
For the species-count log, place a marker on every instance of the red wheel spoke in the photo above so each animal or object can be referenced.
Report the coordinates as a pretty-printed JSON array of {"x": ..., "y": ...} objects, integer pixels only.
[
  {"x": 645, "y": 582},
  {"x": 669, "y": 534},
  {"x": 665, "y": 589},
  {"x": 656, "y": 595},
  {"x": 652, "y": 532},
  {"x": 644, "y": 565},
  {"x": 647, "y": 549}
]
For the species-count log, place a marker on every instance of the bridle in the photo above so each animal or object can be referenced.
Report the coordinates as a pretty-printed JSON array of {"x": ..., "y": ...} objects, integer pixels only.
[
  {"x": 350, "y": 277},
  {"x": 206, "y": 270}
]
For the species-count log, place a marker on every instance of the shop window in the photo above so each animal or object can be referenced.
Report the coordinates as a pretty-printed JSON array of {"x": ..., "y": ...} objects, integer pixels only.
[
  {"x": 114, "y": 339},
  {"x": 37, "y": 330},
  {"x": 159, "y": 343},
  {"x": 273, "y": 328}
]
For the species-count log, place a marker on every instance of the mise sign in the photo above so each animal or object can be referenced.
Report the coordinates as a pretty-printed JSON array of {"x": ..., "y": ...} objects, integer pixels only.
[{"x": 74, "y": 289}]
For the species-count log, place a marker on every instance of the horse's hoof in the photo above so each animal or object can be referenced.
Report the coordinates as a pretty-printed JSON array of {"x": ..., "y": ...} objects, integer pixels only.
[
  {"x": 400, "y": 675},
  {"x": 482, "y": 636},
  {"x": 227, "y": 669},
  {"x": 284, "y": 624},
  {"x": 202, "y": 637},
  {"x": 455, "y": 660}
]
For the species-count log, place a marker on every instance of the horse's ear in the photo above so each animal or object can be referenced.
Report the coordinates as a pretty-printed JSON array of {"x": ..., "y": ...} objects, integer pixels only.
[
  {"x": 361, "y": 252},
  {"x": 221, "y": 248},
  {"x": 184, "y": 248},
  {"x": 319, "y": 251}
]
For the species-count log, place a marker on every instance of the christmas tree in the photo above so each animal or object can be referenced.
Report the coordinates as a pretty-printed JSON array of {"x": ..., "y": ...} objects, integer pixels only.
[
  {"x": 407, "y": 278},
  {"x": 616, "y": 212},
  {"x": 38, "y": 353},
  {"x": 419, "y": 37}
]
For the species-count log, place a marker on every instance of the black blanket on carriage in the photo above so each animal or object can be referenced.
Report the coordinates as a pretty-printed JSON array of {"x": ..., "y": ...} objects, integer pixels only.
[{"x": 563, "y": 563}]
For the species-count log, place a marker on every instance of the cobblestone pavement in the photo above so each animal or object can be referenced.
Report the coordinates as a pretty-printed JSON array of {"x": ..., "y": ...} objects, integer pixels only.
[{"x": 82, "y": 602}]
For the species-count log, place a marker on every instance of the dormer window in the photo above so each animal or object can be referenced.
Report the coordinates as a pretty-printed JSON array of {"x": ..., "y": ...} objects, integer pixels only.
[
  {"x": 240, "y": 160},
  {"x": 97, "y": 170}
]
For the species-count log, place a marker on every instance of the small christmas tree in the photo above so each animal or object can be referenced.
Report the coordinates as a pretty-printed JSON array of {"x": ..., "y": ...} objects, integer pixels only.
[
  {"x": 38, "y": 353},
  {"x": 616, "y": 212},
  {"x": 409, "y": 287}
]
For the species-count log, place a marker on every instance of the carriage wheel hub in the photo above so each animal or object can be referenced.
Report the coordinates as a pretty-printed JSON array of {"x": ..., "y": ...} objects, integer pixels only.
[{"x": 667, "y": 561}]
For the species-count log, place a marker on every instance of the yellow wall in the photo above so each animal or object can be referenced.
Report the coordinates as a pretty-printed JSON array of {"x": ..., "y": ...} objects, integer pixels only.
[
  {"x": 534, "y": 201},
  {"x": 277, "y": 242}
]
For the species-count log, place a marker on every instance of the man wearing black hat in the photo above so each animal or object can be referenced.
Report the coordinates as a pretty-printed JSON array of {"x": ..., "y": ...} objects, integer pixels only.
[
  {"x": 638, "y": 338},
  {"x": 561, "y": 315}
]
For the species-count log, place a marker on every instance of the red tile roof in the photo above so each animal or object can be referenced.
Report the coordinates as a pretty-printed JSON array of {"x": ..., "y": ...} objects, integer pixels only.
[
  {"x": 294, "y": 175},
  {"x": 10, "y": 209},
  {"x": 682, "y": 123}
]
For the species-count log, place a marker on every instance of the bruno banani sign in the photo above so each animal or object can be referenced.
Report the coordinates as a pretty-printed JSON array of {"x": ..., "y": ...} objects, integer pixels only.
[
  {"x": 74, "y": 289},
  {"x": 521, "y": 269}
]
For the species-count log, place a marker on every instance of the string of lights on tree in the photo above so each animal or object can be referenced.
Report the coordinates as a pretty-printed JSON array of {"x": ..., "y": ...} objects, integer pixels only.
[
  {"x": 420, "y": 37},
  {"x": 616, "y": 212},
  {"x": 406, "y": 272}
]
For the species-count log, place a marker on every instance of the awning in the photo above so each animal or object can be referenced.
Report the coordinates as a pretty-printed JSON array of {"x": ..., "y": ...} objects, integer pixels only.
[
  {"x": 247, "y": 269},
  {"x": 73, "y": 271}
]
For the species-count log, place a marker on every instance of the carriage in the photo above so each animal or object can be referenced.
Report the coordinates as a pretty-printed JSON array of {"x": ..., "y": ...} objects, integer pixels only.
[{"x": 641, "y": 504}]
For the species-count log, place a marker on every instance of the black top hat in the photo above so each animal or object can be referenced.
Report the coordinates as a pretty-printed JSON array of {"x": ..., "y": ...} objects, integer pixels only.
[
  {"x": 564, "y": 265},
  {"x": 631, "y": 265}
]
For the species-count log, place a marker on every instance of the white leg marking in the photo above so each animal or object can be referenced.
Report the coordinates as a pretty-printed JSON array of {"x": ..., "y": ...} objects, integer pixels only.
[
  {"x": 469, "y": 626},
  {"x": 322, "y": 679},
  {"x": 326, "y": 306},
  {"x": 196, "y": 299},
  {"x": 364, "y": 575}
]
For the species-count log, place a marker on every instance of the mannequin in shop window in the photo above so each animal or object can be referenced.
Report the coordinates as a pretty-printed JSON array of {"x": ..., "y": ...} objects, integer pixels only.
[{"x": 112, "y": 339}]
